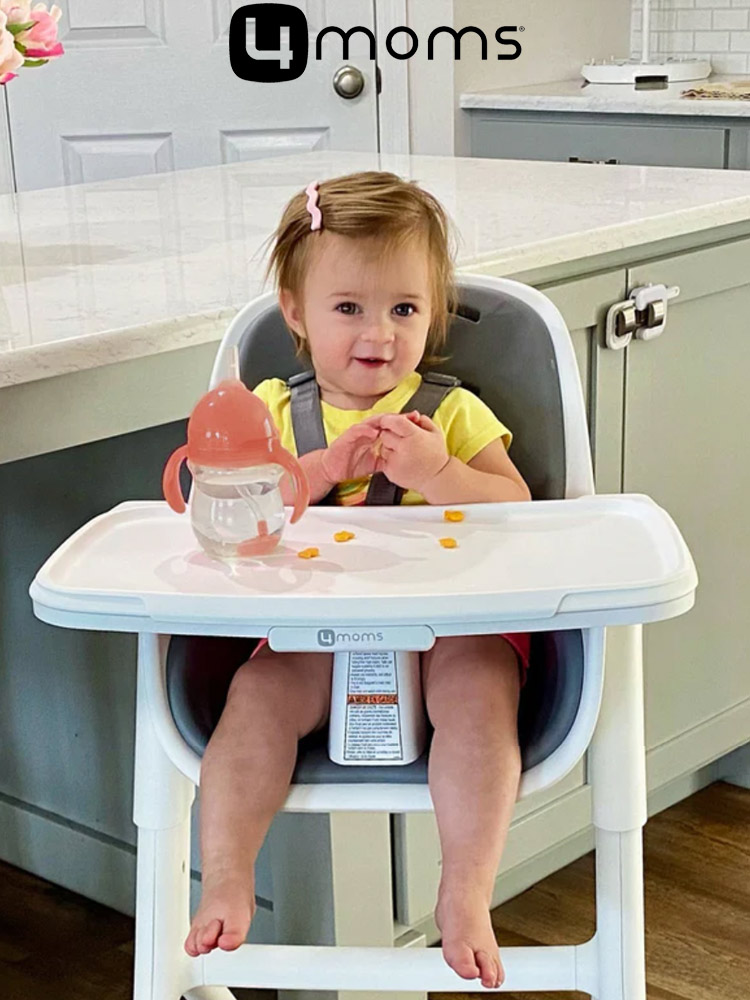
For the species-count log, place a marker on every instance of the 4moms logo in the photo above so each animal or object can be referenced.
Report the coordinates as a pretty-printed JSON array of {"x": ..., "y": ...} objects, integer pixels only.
[{"x": 269, "y": 42}]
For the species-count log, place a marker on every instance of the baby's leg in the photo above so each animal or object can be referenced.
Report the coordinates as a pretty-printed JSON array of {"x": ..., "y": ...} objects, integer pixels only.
[
  {"x": 471, "y": 686},
  {"x": 274, "y": 700}
]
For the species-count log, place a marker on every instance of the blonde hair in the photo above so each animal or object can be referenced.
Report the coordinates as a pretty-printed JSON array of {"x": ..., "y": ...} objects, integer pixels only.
[{"x": 371, "y": 205}]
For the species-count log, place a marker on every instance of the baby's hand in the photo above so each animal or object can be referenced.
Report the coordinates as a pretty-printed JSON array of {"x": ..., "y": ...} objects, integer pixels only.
[
  {"x": 351, "y": 455},
  {"x": 413, "y": 449}
]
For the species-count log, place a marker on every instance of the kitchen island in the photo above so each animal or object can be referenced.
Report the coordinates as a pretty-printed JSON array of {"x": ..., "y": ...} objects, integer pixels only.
[
  {"x": 612, "y": 123},
  {"x": 113, "y": 297}
]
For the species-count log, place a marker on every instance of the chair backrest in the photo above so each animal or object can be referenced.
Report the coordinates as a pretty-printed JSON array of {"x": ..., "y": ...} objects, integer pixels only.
[{"x": 507, "y": 342}]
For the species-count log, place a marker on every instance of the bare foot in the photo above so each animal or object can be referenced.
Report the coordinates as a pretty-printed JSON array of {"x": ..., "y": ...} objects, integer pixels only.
[
  {"x": 469, "y": 943},
  {"x": 223, "y": 917}
]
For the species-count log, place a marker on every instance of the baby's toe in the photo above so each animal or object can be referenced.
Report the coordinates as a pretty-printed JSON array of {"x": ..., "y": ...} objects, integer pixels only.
[
  {"x": 206, "y": 939},
  {"x": 460, "y": 957},
  {"x": 232, "y": 936},
  {"x": 190, "y": 946},
  {"x": 491, "y": 972}
]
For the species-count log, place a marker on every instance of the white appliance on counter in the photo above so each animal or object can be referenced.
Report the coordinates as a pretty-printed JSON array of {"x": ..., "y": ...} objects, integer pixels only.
[{"x": 633, "y": 71}]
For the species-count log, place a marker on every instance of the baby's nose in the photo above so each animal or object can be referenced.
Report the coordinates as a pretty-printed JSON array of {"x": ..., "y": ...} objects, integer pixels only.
[{"x": 380, "y": 330}]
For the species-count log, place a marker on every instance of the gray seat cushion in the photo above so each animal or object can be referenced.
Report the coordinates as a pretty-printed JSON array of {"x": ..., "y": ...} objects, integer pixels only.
[{"x": 200, "y": 670}]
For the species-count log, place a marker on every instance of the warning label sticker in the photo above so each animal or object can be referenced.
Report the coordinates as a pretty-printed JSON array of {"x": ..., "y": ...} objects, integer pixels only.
[{"x": 373, "y": 729}]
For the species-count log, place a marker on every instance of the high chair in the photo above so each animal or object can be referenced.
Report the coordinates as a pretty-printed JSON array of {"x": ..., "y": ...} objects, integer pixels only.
[{"x": 562, "y": 568}]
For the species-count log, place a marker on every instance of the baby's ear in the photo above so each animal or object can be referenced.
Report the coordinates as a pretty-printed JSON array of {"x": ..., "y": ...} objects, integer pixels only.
[{"x": 291, "y": 312}]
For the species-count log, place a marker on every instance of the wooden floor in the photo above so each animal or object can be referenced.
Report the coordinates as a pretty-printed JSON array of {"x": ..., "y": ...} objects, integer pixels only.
[{"x": 55, "y": 945}]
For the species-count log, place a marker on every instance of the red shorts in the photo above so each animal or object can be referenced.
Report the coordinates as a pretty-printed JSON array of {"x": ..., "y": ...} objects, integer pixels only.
[{"x": 520, "y": 641}]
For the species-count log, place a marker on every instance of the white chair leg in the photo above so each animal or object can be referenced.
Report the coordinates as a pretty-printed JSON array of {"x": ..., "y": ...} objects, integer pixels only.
[
  {"x": 617, "y": 774},
  {"x": 161, "y": 811}
]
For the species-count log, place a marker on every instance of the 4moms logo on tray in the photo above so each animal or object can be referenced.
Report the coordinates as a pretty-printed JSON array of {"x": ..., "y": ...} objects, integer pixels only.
[{"x": 269, "y": 42}]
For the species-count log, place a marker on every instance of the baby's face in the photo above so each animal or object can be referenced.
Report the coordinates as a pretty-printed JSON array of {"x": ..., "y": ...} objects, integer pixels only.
[{"x": 365, "y": 318}]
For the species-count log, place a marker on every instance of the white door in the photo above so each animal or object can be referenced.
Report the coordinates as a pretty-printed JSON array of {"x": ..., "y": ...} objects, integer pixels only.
[{"x": 146, "y": 86}]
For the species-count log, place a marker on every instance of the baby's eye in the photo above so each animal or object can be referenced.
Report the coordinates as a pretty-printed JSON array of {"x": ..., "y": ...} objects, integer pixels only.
[
  {"x": 405, "y": 305},
  {"x": 347, "y": 308}
]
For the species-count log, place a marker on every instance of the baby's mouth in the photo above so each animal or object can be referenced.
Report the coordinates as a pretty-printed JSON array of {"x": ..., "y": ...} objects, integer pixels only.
[{"x": 372, "y": 362}]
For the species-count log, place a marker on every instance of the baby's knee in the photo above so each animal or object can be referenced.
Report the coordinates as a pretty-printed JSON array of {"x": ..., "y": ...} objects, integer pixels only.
[
  {"x": 284, "y": 686},
  {"x": 259, "y": 680}
]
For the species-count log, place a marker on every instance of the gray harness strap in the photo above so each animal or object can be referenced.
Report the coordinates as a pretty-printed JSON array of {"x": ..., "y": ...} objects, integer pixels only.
[
  {"x": 307, "y": 418},
  {"x": 309, "y": 433}
]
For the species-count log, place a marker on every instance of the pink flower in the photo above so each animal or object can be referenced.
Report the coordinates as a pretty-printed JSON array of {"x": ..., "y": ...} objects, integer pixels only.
[
  {"x": 41, "y": 41},
  {"x": 10, "y": 57},
  {"x": 18, "y": 11}
]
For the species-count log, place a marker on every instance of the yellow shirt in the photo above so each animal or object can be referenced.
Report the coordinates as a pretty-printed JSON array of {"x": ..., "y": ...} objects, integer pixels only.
[{"x": 467, "y": 423}]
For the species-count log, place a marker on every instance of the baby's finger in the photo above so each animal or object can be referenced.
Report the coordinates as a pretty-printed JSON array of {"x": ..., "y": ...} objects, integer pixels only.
[
  {"x": 423, "y": 421},
  {"x": 390, "y": 443},
  {"x": 373, "y": 421},
  {"x": 397, "y": 423},
  {"x": 361, "y": 432}
]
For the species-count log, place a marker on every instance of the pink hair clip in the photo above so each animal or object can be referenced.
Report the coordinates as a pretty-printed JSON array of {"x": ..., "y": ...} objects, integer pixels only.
[{"x": 312, "y": 205}]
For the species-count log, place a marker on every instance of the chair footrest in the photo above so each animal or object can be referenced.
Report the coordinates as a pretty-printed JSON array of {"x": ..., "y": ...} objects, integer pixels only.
[{"x": 297, "y": 967}]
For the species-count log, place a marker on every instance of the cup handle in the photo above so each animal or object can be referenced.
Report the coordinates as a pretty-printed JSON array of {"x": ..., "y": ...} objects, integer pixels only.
[
  {"x": 299, "y": 481},
  {"x": 170, "y": 480}
]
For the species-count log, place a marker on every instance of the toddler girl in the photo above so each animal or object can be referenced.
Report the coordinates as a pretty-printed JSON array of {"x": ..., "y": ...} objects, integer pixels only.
[{"x": 365, "y": 277}]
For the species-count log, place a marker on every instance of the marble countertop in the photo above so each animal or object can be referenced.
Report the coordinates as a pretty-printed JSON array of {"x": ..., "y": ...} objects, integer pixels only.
[
  {"x": 577, "y": 95},
  {"x": 99, "y": 273}
]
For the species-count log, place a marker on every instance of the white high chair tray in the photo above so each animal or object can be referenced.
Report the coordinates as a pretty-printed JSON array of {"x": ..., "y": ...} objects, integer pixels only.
[{"x": 598, "y": 560}]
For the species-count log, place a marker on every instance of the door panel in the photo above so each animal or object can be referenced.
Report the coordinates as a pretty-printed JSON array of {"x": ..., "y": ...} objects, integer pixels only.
[
  {"x": 146, "y": 86},
  {"x": 583, "y": 303}
]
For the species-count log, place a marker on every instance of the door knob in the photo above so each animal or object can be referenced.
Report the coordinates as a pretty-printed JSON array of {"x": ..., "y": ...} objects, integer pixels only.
[{"x": 349, "y": 82}]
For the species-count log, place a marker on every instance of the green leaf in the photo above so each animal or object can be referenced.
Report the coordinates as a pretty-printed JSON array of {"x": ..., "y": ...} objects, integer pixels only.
[
  {"x": 35, "y": 62},
  {"x": 21, "y": 48},
  {"x": 14, "y": 29}
]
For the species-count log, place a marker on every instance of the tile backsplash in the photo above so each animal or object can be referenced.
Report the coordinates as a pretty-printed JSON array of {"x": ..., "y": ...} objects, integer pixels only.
[{"x": 715, "y": 29}]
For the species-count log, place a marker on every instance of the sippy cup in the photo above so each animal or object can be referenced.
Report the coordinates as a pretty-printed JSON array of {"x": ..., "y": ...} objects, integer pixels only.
[{"x": 237, "y": 462}]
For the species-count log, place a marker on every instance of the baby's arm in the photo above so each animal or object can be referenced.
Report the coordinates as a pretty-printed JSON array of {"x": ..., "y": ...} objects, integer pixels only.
[
  {"x": 490, "y": 477},
  {"x": 320, "y": 485}
]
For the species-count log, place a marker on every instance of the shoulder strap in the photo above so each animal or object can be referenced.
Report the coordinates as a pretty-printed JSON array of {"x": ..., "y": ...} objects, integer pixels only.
[
  {"x": 307, "y": 419},
  {"x": 432, "y": 390}
]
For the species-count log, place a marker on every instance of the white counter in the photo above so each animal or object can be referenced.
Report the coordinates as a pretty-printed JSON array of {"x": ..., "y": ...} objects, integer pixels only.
[
  {"x": 577, "y": 95},
  {"x": 118, "y": 270}
]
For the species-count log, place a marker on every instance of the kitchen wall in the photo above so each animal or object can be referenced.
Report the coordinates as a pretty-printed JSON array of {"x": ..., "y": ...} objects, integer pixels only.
[
  {"x": 558, "y": 39},
  {"x": 715, "y": 29}
]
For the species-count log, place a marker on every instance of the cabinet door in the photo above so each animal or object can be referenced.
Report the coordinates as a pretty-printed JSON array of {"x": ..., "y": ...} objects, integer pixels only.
[
  {"x": 549, "y": 818},
  {"x": 685, "y": 444},
  {"x": 583, "y": 303}
]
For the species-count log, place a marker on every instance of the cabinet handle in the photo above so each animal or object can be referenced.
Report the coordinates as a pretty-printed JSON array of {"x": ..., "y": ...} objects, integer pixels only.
[
  {"x": 651, "y": 309},
  {"x": 643, "y": 315},
  {"x": 578, "y": 159},
  {"x": 621, "y": 324}
]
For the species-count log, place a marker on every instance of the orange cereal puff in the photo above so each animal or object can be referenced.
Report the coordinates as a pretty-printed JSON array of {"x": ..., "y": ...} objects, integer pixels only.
[
  {"x": 343, "y": 536},
  {"x": 453, "y": 515},
  {"x": 449, "y": 543},
  {"x": 308, "y": 553}
]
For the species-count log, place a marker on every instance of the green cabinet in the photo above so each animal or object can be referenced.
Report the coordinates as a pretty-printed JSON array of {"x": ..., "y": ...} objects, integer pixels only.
[
  {"x": 669, "y": 418},
  {"x": 645, "y": 139},
  {"x": 687, "y": 414}
]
